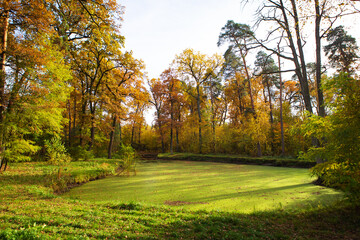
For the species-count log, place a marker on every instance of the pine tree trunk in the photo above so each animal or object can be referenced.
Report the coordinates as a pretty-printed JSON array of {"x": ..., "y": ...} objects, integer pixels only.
[{"x": 281, "y": 109}]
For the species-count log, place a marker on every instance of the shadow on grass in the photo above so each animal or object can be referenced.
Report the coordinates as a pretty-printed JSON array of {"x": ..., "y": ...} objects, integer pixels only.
[
  {"x": 24, "y": 179},
  {"x": 321, "y": 223}
]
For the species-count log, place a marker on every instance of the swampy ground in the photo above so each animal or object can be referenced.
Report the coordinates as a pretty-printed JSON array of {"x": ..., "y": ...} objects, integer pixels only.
[{"x": 211, "y": 186}]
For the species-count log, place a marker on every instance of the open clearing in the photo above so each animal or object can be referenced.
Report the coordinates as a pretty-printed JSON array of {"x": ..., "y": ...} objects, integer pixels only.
[{"x": 211, "y": 186}]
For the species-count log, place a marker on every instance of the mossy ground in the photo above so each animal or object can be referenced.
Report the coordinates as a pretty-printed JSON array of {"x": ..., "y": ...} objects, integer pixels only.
[
  {"x": 212, "y": 187},
  {"x": 30, "y": 210}
]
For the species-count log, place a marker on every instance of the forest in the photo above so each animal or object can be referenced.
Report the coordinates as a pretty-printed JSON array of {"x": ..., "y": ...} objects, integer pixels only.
[{"x": 70, "y": 91}]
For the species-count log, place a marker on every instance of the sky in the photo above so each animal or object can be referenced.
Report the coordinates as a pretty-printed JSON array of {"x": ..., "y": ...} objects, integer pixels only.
[{"x": 157, "y": 30}]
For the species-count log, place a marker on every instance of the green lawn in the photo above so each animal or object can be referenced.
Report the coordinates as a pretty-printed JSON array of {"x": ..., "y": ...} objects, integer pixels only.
[{"x": 211, "y": 186}]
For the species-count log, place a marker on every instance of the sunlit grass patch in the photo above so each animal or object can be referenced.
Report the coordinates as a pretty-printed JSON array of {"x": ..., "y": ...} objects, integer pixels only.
[{"x": 212, "y": 187}]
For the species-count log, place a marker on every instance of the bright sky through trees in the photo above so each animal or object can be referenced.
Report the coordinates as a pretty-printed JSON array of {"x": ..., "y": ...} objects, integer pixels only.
[{"x": 157, "y": 30}]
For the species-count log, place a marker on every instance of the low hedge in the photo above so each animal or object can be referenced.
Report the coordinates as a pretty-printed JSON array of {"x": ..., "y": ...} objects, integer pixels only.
[{"x": 268, "y": 161}]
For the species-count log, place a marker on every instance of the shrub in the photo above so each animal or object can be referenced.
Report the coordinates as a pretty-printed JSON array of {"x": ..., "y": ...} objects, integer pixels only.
[
  {"x": 80, "y": 153},
  {"x": 128, "y": 158},
  {"x": 56, "y": 152}
]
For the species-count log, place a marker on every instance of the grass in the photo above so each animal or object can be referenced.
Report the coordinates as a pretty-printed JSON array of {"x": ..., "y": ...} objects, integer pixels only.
[
  {"x": 211, "y": 186},
  {"x": 29, "y": 209}
]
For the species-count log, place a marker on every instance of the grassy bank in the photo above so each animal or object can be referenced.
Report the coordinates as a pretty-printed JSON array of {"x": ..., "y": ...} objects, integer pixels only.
[
  {"x": 29, "y": 209},
  {"x": 225, "y": 158}
]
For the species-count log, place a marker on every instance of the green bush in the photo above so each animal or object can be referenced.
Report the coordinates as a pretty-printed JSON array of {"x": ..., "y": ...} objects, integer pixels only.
[
  {"x": 128, "y": 158},
  {"x": 56, "y": 152},
  {"x": 80, "y": 153}
]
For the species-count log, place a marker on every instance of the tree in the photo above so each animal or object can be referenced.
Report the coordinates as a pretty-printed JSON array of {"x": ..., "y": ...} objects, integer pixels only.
[
  {"x": 330, "y": 12},
  {"x": 33, "y": 79},
  {"x": 285, "y": 17},
  {"x": 341, "y": 50},
  {"x": 214, "y": 89},
  {"x": 267, "y": 69},
  {"x": 173, "y": 103},
  {"x": 121, "y": 86},
  {"x": 240, "y": 38},
  {"x": 197, "y": 69},
  {"x": 158, "y": 98}
]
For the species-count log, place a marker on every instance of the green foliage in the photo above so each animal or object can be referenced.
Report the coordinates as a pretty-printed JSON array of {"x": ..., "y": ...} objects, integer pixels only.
[
  {"x": 342, "y": 49},
  {"x": 76, "y": 173},
  {"x": 80, "y": 153},
  {"x": 33, "y": 232},
  {"x": 339, "y": 135},
  {"x": 128, "y": 158},
  {"x": 56, "y": 152},
  {"x": 20, "y": 150}
]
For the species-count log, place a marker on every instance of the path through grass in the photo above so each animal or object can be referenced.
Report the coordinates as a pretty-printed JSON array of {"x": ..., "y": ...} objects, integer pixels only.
[{"x": 211, "y": 186}]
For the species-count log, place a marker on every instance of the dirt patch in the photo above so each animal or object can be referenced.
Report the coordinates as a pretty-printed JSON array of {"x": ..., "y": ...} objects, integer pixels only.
[{"x": 180, "y": 203}]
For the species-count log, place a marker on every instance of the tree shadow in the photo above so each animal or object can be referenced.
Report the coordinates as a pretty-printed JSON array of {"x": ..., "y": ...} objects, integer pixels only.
[{"x": 322, "y": 223}]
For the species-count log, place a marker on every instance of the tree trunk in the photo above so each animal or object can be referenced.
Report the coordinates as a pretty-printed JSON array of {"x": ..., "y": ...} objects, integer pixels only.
[
  {"x": 5, "y": 27},
  {"x": 320, "y": 95},
  {"x": 3, "y": 162},
  {"x": 69, "y": 112},
  {"x": 213, "y": 120},
  {"x": 171, "y": 125},
  {"x": 249, "y": 80},
  {"x": 300, "y": 68},
  {"x": 270, "y": 102},
  {"x": 82, "y": 122},
  {"x": 281, "y": 109},
  {"x": 139, "y": 135},
  {"x": 92, "y": 132},
  {"x": 120, "y": 132},
  {"x": 271, "y": 116},
  {"x": 92, "y": 107},
  {"x": 161, "y": 132},
  {"x": 111, "y": 140},
  {"x": 132, "y": 133},
  {"x": 199, "y": 115},
  {"x": 177, "y": 133},
  {"x": 74, "y": 118}
]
